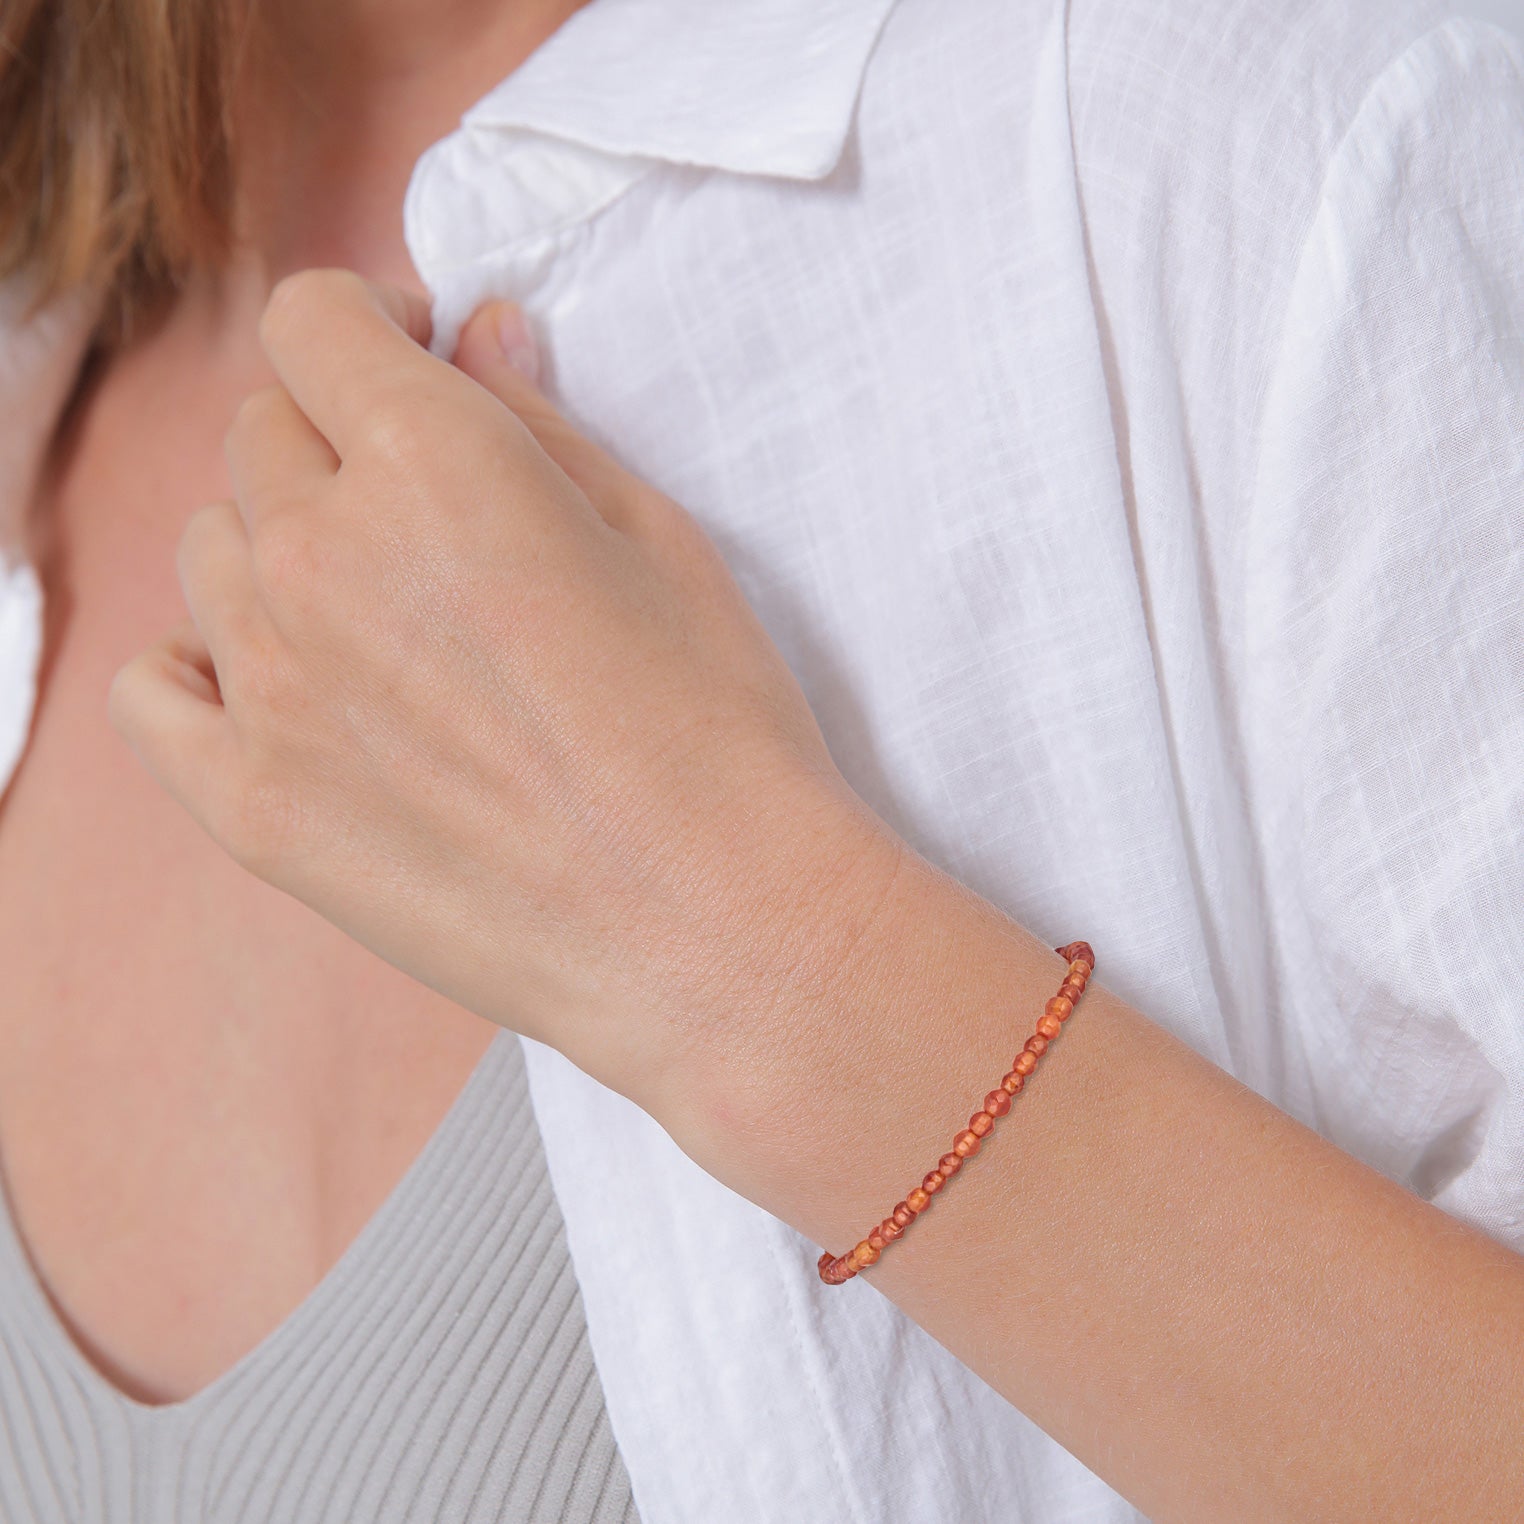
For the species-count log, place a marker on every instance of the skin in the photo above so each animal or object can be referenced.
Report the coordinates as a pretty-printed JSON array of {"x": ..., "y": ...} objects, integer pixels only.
[
  {"x": 206, "y": 1089},
  {"x": 591, "y": 805}
]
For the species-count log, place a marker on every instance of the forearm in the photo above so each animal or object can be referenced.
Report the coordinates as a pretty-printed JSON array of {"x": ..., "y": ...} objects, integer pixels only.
[{"x": 1219, "y": 1312}]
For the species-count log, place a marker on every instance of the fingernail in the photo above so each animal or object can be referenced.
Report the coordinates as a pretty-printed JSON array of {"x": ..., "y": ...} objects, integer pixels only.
[{"x": 517, "y": 342}]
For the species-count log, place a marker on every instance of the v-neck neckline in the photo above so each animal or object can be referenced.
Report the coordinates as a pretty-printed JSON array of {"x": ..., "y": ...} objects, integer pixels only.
[{"x": 409, "y": 1201}]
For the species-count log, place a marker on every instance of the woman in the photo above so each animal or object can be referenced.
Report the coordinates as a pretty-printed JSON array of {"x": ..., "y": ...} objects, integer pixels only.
[{"x": 1076, "y": 484}]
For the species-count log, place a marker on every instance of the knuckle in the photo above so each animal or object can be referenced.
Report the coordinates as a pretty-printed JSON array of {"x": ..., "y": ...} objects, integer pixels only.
[
  {"x": 288, "y": 558},
  {"x": 397, "y": 431},
  {"x": 195, "y": 538},
  {"x": 252, "y": 417},
  {"x": 122, "y": 693},
  {"x": 284, "y": 306},
  {"x": 665, "y": 525},
  {"x": 295, "y": 298},
  {"x": 259, "y": 679}
]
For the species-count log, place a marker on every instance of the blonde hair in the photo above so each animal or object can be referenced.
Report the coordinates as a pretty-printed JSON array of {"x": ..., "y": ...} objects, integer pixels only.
[{"x": 115, "y": 147}]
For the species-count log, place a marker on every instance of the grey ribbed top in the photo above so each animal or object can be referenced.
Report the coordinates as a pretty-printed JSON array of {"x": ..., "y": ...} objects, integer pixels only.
[{"x": 440, "y": 1371}]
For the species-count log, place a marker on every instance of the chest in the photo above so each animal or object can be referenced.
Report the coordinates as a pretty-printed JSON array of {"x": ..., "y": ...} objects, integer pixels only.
[{"x": 203, "y": 1084}]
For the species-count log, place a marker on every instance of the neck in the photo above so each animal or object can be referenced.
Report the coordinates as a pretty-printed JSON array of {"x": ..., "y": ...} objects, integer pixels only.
[{"x": 334, "y": 103}]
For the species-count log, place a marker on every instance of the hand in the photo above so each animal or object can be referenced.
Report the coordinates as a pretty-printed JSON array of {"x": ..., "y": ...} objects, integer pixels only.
[{"x": 484, "y": 700}]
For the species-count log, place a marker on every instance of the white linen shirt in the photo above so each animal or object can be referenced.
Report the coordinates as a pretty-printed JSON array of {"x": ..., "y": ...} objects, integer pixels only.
[{"x": 1112, "y": 409}]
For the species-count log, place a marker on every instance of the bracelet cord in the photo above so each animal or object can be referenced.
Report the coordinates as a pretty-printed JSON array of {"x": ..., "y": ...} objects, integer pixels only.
[{"x": 837, "y": 1269}]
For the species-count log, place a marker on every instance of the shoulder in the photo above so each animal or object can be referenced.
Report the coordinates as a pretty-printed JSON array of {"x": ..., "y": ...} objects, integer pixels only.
[
  {"x": 1173, "y": 112},
  {"x": 1212, "y": 131},
  {"x": 1258, "y": 90},
  {"x": 1209, "y": 144}
]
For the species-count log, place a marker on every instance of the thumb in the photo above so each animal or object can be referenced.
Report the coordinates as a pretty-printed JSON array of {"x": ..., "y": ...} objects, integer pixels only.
[{"x": 497, "y": 349}]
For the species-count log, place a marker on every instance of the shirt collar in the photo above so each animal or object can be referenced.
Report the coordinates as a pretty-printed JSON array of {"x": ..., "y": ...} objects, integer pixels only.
[{"x": 752, "y": 86}]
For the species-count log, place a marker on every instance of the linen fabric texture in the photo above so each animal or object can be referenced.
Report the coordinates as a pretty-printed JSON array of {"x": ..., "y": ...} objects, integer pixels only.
[{"x": 1112, "y": 411}]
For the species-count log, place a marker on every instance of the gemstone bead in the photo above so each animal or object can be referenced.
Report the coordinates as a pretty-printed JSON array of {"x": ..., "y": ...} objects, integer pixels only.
[{"x": 1081, "y": 960}]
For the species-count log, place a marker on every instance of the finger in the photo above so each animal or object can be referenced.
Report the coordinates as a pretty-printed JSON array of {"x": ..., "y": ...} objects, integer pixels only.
[
  {"x": 274, "y": 454},
  {"x": 345, "y": 347},
  {"x": 217, "y": 580},
  {"x": 164, "y": 703},
  {"x": 498, "y": 351}
]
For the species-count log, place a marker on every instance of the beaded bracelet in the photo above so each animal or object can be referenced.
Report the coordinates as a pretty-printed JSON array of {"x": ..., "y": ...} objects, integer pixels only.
[{"x": 836, "y": 1269}]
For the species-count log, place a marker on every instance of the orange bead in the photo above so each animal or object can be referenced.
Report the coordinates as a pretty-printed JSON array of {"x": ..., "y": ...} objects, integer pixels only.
[
  {"x": 933, "y": 1182},
  {"x": 889, "y": 1230},
  {"x": 1013, "y": 1082},
  {"x": 1079, "y": 973},
  {"x": 1060, "y": 1006},
  {"x": 1049, "y": 1026},
  {"x": 877, "y": 1240},
  {"x": 980, "y": 1123},
  {"x": 997, "y": 1103},
  {"x": 1078, "y": 952},
  {"x": 1037, "y": 1044},
  {"x": 918, "y": 1200},
  {"x": 950, "y": 1164},
  {"x": 865, "y": 1254},
  {"x": 1025, "y": 1063},
  {"x": 967, "y": 1144},
  {"x": 903, "y": 1216}
]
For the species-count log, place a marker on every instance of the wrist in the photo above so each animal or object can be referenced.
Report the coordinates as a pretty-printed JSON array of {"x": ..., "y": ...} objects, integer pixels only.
[
  {"x": 799, "y": 919},
  {"x": 902, "y": 1000}
]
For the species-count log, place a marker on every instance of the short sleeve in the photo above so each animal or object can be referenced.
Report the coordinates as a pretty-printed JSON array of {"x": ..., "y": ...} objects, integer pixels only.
[{"x": 1383, "y": 693}]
